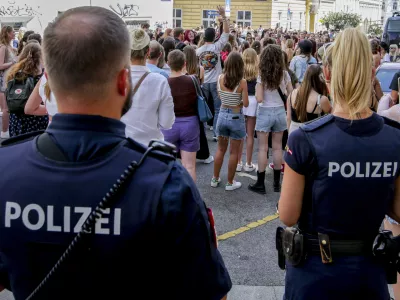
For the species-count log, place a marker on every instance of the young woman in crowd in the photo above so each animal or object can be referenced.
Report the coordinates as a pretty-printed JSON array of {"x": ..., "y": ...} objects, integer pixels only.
[
  {"x": 310, "y": 101},
  {"x": 376, "y": 52},
  {"x": 245, "y": 45},
  {"x": 189, "y": 37},
  {"x": 29, "y": 65},
  {"x": 7, "y": 59},
  {"x": 168, "y": 45},
  {"x": 273, "y": 84},
  {"x": 232, "y": 90},
  {"x": 300, "y": 62},
  {"x": 225, "y": 52},
  {"x": 250, "y": 60},
  {"x": 185, "y": 133},
  {"x": 193, "y": 68},
  {"x": 167, "y": 33},
  {"x": 24, "y": 40},
  {"x": 289, "y": 49},
  {"x": 257, "y": 47}
]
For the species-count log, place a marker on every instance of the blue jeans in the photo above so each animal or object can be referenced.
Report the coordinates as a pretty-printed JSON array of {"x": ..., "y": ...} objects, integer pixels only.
[
  {"x": 231, "y": 125},
  {"x": 211, "y": 93}
]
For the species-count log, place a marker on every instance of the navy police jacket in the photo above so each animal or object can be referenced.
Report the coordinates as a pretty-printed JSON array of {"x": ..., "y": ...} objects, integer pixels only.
[
  {"x": 350, "y": 169},
  {"x": 156, "y": 242}
]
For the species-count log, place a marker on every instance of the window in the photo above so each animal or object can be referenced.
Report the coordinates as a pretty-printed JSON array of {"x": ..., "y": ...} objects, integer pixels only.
[
  {"x": 208, "y": 19},
  {"x": 177, "y": 18},
  {"x": 395, "y": 5},
  {"x": 243, "y": 18}
]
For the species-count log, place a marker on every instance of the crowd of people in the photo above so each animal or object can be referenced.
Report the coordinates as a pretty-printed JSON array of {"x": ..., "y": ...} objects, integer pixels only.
[{"x": 265, "y": 85}]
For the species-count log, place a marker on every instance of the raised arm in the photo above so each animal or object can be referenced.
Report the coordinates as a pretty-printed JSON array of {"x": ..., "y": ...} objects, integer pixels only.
[{"x": 34, "y": 104}]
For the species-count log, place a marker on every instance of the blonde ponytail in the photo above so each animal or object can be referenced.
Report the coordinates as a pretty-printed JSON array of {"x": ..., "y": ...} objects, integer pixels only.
[{"x": 351, "y": 71}]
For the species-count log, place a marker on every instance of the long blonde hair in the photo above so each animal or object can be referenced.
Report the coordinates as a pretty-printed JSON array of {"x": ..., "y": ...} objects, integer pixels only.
[
  {"x": 351, "y": 71},
  {"x": 250, "y": 59}
]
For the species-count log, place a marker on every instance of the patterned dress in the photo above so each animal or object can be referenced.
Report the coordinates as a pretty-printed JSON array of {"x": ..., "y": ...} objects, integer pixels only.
[{"x": 22, "y": 123}]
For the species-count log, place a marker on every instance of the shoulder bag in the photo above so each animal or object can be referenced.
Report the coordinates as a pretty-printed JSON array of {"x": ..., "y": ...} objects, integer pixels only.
[{"x": 203, "y": 110}]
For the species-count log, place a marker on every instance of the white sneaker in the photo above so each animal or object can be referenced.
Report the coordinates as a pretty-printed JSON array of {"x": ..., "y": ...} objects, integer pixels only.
[
  {"x": 215, "y": 139},
  {"x": 234, "y": 186},
  {"x": 239, "y": 168},
  {"x": 249, "y": 168},
  {"x": 211, "y": 128},
  {"x": 209, "y": 160},
  {"x": 5, "y": 135},
  {"x": 215, "y": 182}
]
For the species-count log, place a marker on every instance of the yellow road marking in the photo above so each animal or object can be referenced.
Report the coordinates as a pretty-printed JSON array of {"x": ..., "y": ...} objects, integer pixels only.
[{"x": 247, "y": 227}]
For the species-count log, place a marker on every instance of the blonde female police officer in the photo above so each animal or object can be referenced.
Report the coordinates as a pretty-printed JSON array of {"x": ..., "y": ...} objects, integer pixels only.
[{"x": 342, "y": 177}]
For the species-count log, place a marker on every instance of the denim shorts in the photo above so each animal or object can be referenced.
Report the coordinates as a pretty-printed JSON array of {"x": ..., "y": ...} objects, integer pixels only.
[
  {"x": 231, "y": 125},
  {"x": 271, "y": 119}
]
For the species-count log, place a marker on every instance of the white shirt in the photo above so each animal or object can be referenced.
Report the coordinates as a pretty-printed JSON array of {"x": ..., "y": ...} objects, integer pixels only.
[
  {"x": 385, "y": 110},
  {"x": 210, "y": 58},
  {"x": 51, "y": 105},
  {"x": 272, "y": 97},
  {"x": 152, "y": 107}
]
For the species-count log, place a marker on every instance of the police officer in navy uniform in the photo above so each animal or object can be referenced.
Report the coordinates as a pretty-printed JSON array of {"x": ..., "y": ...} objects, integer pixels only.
[
  {"x": 342, "y": 177},
  {"x": 155, "y": 240}
]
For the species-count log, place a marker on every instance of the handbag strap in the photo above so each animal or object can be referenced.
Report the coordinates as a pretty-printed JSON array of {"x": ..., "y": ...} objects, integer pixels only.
[
  {"x": 197, "y": 86},
  {"x": 135, "y": 89}
]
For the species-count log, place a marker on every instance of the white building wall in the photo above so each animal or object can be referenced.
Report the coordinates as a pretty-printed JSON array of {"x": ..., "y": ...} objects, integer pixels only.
[
  {"x": 44, "y": 11},
  {"x": 325, "y": 7},
  {"x": 296, "y": 20}
]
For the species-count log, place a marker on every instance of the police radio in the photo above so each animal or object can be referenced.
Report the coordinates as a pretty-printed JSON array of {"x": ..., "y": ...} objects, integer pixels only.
[{"x": 107, "y": 202}]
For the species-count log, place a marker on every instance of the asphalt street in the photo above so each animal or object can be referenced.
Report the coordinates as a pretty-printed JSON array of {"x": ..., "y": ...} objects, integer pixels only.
[{"x": 249, "y": 256}]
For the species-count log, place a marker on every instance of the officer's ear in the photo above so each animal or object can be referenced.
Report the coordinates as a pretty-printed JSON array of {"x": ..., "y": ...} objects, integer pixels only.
[{"x": 123, "y": 82}]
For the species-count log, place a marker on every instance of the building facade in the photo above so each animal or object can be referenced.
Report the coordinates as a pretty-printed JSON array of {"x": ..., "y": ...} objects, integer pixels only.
[
  {"x": 194, "y": 13},
  {"x": 36, "y": 14}
]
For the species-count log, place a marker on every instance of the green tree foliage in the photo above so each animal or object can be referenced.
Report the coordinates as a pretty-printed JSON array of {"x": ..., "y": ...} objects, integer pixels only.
[
  {"x": 375, "y": 29},
  {"x": 341, "y": 20}
]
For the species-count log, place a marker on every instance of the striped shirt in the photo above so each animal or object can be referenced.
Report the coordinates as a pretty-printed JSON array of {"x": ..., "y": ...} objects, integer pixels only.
[{"x": 229, "y": 98}]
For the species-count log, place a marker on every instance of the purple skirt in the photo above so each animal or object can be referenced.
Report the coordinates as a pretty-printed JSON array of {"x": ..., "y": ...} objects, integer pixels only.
[{"x": 184, "y": 134}]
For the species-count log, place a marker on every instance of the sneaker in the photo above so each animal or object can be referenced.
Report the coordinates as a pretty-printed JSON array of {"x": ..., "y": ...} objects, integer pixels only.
[
  {"x": 211, "y": 128},
  {"x": 209, "y": 160},
  {"x": 215, "y": 182},
  {"x": 249, "y": 168},
  {"x": 5, "y": 135},
  {"x": 234, "y": 186},
  {"x": 239, "y": 167},
  {"x": 215, "y": 139}
]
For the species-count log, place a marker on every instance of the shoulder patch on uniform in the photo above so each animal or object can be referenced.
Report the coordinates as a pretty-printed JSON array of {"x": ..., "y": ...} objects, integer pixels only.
[
  {"x": 391, "y": 123},
  {"x": 318, "y": 123}
]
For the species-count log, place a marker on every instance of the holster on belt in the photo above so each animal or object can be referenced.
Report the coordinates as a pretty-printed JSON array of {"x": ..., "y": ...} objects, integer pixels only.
[{"x": 292, "y": 242}]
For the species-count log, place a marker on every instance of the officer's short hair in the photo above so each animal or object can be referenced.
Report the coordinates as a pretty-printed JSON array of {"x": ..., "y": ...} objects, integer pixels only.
[
  {"x": 176, "y": 60},
  {"x": 84, "y": 49}
]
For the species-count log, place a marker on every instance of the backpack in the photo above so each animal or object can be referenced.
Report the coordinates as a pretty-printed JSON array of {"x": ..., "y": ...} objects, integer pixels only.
[{"x": 18, "y": 92}]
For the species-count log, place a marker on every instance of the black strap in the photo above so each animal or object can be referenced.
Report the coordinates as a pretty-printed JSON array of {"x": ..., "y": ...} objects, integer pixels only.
[
  {"x": 283, "y": 96},
  {"x": 47, "y": 147}
]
